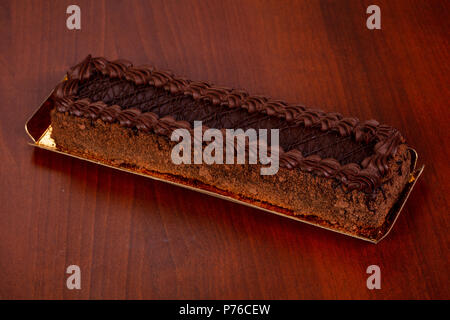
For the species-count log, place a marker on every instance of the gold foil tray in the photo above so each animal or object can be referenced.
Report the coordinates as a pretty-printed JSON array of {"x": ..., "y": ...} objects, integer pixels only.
[{"x": 39, "y": 129}]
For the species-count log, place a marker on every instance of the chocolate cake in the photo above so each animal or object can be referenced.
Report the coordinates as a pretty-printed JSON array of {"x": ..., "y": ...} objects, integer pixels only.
[{"x": 336, "y": 171}]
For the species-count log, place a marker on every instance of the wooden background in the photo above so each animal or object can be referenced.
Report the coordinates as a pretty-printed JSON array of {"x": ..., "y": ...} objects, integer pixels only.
[{"x": 135, "y": 238}]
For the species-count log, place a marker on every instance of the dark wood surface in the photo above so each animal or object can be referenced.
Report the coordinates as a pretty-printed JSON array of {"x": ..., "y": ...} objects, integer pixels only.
[{"x": 136, "y": 238}]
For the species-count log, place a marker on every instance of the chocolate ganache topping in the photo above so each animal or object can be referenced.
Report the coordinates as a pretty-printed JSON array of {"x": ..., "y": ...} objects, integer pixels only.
[{"x": 143, "y": 98}]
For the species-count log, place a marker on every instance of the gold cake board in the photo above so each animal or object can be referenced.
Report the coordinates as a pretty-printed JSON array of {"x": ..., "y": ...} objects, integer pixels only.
[{"x": 39, "y": 129}]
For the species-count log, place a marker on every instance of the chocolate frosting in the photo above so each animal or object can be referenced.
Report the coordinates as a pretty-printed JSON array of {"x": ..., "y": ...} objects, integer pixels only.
[{"x": 326, "y": 144}]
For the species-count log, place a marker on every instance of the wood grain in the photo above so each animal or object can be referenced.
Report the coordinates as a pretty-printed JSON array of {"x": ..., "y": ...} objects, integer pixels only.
[{"x": 139, "y": 239}]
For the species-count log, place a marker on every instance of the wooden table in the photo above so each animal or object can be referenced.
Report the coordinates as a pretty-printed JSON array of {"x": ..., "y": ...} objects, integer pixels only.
[{"x": 135, "y": 238}]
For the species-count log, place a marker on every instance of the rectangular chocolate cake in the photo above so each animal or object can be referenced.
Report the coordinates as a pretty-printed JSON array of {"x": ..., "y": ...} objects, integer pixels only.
[{"x": 335, "y": 171}]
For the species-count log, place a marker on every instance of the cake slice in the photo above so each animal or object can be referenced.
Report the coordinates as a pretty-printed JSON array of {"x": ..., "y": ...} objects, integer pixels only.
[{"x": 336, "y": 171}]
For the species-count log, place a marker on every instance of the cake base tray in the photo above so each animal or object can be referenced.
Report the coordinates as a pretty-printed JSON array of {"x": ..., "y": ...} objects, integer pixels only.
[{"x": 38, "y": 128}]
